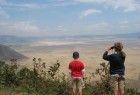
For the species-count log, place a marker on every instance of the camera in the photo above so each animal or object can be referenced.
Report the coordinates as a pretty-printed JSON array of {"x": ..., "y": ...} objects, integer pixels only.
[{"x": 112, "y": 47}]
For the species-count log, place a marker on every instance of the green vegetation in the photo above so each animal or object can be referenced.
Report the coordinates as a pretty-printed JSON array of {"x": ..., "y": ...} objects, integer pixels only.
[{"x": 39, "y": 81}]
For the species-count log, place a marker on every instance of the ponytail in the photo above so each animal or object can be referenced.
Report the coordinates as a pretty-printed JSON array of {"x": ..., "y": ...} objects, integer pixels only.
[{"x": 122, "y": 54}]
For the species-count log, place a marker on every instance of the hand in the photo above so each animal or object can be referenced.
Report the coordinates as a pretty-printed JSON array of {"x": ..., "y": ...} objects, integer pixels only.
[{"x": 108, "y": 48}]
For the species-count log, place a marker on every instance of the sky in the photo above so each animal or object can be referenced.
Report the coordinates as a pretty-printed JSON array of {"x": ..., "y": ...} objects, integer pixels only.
[{"x": 69, "y": 17}]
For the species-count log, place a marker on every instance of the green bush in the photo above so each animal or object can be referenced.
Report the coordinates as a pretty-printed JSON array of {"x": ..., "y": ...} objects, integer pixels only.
[
  {"x": 132, "y": 91},
  {"x": 38, "y": 81},
  {"x": 103, "y": 86}
]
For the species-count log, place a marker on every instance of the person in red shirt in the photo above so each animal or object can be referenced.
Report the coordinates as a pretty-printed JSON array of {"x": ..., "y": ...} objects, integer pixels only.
[{"x": 76, "y": 70}]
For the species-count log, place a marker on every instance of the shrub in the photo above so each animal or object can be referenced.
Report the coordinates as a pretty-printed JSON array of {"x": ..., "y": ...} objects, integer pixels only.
[
  {"x": 103, "y": 86},
  {"x": 8, "y": 73},
  {"x": 38, "y": 81}
]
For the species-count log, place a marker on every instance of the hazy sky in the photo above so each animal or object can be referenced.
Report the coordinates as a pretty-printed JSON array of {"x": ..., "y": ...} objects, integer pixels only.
[{"x": 68, "y": 17}]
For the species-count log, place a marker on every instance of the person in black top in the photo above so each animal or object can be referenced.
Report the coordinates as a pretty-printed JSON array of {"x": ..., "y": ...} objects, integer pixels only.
[{"x": 117, "y": 67}]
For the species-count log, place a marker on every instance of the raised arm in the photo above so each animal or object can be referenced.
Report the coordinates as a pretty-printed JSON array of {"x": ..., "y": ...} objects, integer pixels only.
[{"x": 105, "y": 55}]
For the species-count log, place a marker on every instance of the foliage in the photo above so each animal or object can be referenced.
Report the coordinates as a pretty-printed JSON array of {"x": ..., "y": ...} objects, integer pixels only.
[
  {"x": 8, "y": 73},
  {"x": 103, "y": 86},
  {"x": 132, "y": 91},
  {"x": 39, "y": 81},
  {"x": 54, "y": 70}
]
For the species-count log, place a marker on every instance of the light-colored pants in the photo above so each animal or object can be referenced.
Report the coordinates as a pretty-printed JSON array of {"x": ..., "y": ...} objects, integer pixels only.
[
  {"x": 77, "y": 83},
  {"x": 117, "y": 82}
]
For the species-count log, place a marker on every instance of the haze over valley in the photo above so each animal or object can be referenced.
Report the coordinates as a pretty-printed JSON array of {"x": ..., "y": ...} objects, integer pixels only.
[{"x": 91, "y": 50}]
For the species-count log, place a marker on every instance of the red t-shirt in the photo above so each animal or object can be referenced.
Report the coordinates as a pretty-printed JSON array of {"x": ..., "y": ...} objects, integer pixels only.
[{"x": 76, "y": 67}]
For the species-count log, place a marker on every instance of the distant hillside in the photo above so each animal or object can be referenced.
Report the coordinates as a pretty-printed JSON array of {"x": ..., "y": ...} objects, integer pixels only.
[
  {"x": 126, "y": 35},
  {"x": 10, "y": 39},
  {"x": 7, "y": 54}
]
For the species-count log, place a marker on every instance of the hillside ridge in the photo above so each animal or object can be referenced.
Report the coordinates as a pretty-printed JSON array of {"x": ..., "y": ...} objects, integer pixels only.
[{"x": 7, "y": 53}]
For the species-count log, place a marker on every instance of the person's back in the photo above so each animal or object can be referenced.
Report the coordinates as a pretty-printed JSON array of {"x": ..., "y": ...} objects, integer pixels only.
[
  {"x": 117, "y": 68},
  {"x": 116, "y": 63},
  {"x": 76, "y": 70}
]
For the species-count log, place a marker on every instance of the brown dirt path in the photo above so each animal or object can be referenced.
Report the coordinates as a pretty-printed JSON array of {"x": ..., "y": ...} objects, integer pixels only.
[{"x": 6, "y": 93}]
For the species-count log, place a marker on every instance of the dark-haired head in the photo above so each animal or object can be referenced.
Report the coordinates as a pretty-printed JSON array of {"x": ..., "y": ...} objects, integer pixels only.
[{"x": 75, "y": 55}]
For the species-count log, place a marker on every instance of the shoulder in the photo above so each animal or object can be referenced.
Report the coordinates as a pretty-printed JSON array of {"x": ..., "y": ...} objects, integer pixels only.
[
  {"x": 80, "y": 61},
  {"x": 71, "y": 62},
  {"x": 76, "y": 61},
  {"x": 113, "y": 55}
]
